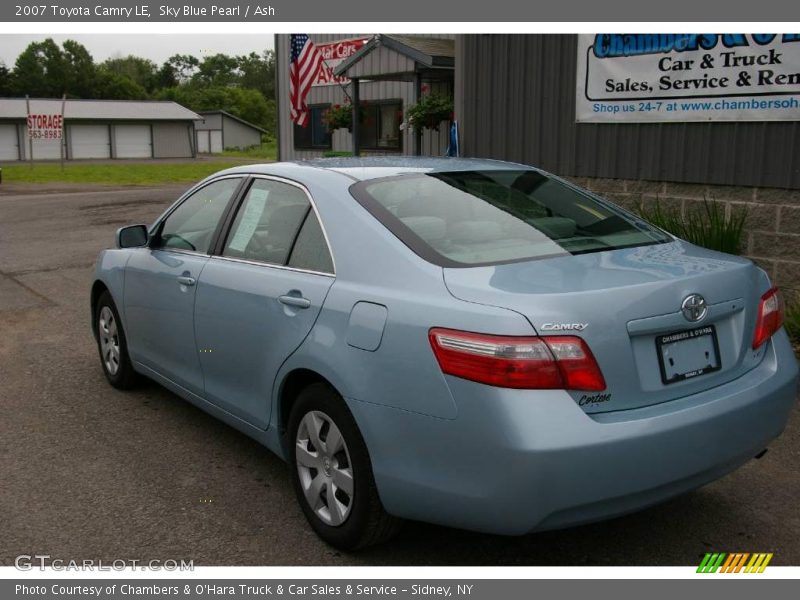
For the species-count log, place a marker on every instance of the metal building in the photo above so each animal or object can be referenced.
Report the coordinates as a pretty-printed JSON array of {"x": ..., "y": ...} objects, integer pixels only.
[
  {"x": 220, "y": 130},
  {"x": 515, "y": 97},
  {"x": 97, "y": 129},
  {"x": 393, "y": 70}
]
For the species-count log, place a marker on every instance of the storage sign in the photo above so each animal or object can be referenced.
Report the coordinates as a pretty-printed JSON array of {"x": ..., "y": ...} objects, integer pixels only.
[
  {"x": 45, "y": 127},
  {"x": 688, "y": 77},
  {"x": 333, "y": 54}
]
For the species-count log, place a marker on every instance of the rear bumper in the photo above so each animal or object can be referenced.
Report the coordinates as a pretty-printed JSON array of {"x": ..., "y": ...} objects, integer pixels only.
[{"x": 517, "y": 461}]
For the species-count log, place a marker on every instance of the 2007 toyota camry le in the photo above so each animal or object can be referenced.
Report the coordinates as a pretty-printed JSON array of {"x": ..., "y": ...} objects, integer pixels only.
[{"x": 466, "y": 342}]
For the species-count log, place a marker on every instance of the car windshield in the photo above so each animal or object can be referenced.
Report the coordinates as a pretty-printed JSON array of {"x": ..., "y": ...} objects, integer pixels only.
[{"x": 470, "y": 218}]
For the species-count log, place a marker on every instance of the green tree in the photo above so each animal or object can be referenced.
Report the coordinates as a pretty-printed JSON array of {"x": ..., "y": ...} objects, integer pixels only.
[
  {"x": 217, "y": 70},
  {"x": 79, "y": 70},
  {"x": 44, "y": 69},
  {"x": 141, "y": 71},
  {"x": 112, "y": 86},
  {"x": 39, "y": 70},
  {"x": 5, "y": 80},
  {"x": 184, "y": 66},
  {"x": 258, "y": 72},
  {"x": 166, "y": 76}
]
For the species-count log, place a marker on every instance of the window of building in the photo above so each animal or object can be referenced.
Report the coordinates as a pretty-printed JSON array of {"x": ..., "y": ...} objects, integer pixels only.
[
  {"x": 380, "y": 125},
  {"x": 315, "y": 135}
]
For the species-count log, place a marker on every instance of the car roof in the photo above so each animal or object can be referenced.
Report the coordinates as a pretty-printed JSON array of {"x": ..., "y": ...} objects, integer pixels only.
[{"x": 359, "y": 169}]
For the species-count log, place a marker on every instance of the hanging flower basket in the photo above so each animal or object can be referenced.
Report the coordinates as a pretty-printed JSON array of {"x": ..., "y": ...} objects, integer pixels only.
[
  {"x": 430, "y": 111},
  {"x": 340, "y": 116}
]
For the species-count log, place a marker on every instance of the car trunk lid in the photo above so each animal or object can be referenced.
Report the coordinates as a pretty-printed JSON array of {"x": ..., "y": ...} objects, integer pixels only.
[{"x": 626, "y": 304}]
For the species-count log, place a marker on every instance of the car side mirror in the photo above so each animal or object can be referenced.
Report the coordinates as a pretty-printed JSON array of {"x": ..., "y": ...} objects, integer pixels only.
[{"x": 132, "y": 236}]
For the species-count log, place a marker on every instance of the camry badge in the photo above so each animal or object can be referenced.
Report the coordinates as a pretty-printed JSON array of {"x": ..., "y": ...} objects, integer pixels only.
[
  {"x": 694, "y": 307},
  {"x": 564, "y": 326}
]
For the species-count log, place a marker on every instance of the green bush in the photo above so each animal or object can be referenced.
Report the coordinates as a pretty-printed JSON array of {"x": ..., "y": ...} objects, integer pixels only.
[
  {"x": 709, "y": 227},
  {"x": 792, "y": 319},
  {"x": 336, "y": 153}
]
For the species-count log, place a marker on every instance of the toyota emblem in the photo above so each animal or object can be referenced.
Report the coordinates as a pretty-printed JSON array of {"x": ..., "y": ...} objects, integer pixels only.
[{"x": 694, "y": 307}]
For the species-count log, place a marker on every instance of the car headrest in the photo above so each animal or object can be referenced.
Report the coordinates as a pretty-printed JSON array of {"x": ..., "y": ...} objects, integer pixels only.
[
  {"x": 429, "y": 229},
  {"x": 421, "y": 206},
  {"x": 465, "y": 232},
  {"x": 555, "y": 227}
]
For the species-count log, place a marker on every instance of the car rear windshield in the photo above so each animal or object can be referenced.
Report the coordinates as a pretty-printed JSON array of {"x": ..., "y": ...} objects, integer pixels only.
[{"x": 470, "y": 218}]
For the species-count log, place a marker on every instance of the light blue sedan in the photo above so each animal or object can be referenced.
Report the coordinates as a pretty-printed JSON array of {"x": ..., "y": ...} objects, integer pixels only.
[{"x": 465, "y": 342}]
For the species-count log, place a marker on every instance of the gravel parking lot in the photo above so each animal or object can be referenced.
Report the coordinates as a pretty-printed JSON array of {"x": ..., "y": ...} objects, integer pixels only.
[{"x": 87, "y": 471}]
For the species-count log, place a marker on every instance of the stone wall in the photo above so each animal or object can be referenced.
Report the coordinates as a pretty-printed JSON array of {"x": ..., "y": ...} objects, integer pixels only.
[{"x": 772, "y": 231}]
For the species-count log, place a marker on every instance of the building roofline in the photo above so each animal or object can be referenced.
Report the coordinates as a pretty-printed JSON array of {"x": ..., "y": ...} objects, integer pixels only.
[{"x": 393, "y": 43}]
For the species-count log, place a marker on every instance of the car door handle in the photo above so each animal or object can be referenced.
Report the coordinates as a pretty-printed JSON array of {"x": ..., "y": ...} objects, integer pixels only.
[
  {"x": 296, "y": 301},
  {"x": 185, "y": 280}
]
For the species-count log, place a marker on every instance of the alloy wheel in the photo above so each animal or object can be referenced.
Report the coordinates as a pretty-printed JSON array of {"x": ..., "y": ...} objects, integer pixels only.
[
  {"x": 325, "y": 468},
  {"x": 109, "y": 340}
]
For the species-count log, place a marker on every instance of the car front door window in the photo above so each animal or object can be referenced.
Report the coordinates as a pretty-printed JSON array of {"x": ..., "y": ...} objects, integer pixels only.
[{"x": 191, "y": 225}]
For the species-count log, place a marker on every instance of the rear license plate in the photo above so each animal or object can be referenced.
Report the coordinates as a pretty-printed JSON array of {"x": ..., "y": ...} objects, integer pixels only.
[{"x": 686, "y": 354}]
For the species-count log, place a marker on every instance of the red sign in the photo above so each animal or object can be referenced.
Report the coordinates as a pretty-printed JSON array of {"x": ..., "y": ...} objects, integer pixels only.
[
  {"x": 334, "y": 53},
  {"x": 45, "y": 127}
]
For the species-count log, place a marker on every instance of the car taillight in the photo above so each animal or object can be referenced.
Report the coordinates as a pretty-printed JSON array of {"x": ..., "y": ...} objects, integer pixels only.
[
  {"x": 550, "y": 362},
  {"x": 770, "y": 317}
]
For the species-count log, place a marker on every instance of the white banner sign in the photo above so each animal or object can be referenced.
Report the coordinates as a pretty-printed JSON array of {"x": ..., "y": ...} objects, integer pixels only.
[
  {"x": 334, "y": 53},
  {"x": 45, "y": 127},
  {"x": 688, "y": 77}
]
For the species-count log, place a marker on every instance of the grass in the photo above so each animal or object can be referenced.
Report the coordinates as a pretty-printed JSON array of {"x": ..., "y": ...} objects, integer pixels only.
[
  {"x": 114, "y": 173},
  {"x": 709, "y": 227},
  {"x": 268, "y": 151}
]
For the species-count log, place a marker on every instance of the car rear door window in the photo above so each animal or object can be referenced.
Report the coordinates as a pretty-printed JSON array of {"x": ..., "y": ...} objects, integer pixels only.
[
  {"x": 192, "y": 224},
  {"x": 268, "y": 222},
  {"x": 310, "y": 251}
]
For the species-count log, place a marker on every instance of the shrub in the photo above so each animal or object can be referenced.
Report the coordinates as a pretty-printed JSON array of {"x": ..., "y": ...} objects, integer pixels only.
[
  {"x": 709, "y": 227},
  {"x": 792, "y": 319}
]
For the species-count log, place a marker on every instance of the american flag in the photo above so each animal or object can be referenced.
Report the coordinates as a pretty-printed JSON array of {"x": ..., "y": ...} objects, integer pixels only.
[{"x": 304, "y": 65}]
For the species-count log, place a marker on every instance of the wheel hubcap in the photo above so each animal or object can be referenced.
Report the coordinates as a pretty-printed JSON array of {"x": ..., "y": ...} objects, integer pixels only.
[
  {"x": 323, "y": 463},
  {"x": 109, "y": 340}
]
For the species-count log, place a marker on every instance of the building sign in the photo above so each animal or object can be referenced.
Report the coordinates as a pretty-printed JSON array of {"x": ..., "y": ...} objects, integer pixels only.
[
  {"x": 334, "y": 53},
  {"x": 45, "y": 127},
  {"x": 688, "y": 77}
]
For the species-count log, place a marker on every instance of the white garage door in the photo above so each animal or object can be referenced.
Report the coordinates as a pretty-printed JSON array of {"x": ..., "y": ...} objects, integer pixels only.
[
  {"x": 9, "y": 146},
  {"x": 133, "y": 141},
  {"x": 216, "y": 141},
  {"x": 202, "y": 142},
  {"x": 46, "y": 149},
  {"x": 90, "y": 141}
]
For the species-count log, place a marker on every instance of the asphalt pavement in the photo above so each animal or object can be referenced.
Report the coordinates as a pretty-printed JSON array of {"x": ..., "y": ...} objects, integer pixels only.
[{"x": 89, "y": 472}]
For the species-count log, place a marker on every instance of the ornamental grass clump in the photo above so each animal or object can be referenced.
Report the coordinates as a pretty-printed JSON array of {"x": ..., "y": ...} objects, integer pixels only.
[{"x": 711, "y": 226}]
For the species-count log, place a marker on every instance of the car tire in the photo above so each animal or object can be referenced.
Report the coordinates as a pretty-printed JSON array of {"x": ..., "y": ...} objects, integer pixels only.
[
  {"x": 347, "y": 521},
  {"x": 112, "y": 344}
]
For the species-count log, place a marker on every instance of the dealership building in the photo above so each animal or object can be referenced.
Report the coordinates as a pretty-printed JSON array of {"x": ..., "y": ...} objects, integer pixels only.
[
  {"x": 637, "y": 118},
  {"x": 96, "y": 129}
]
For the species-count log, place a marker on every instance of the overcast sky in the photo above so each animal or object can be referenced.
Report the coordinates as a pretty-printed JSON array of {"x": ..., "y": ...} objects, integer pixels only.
[{"x": 158, "y": 47}]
